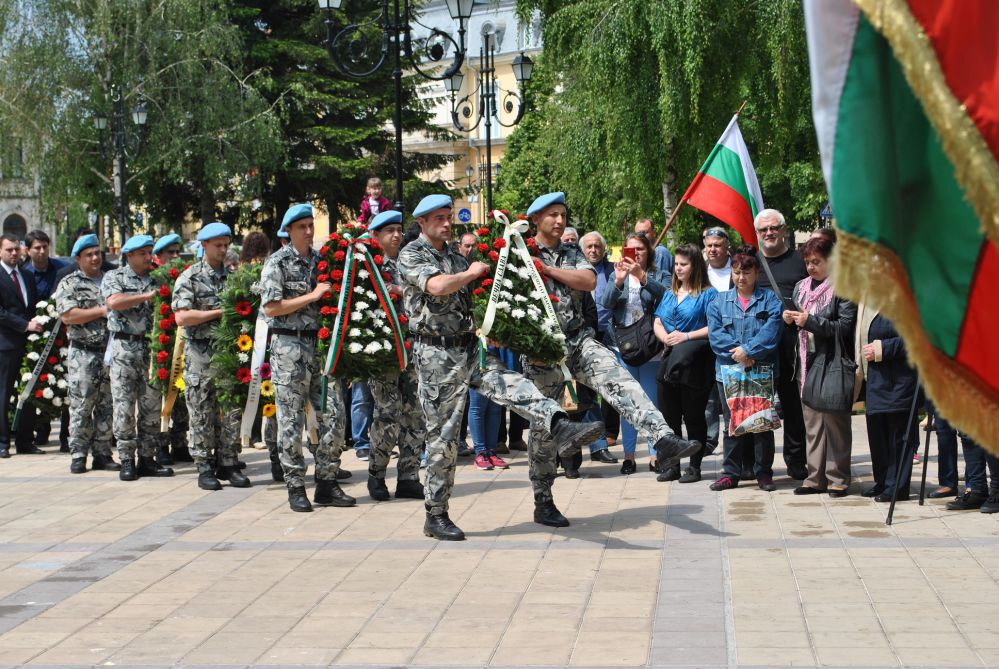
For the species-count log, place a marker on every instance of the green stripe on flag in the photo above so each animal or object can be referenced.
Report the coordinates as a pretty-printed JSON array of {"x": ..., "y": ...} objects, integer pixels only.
[
  {"x": 725, "y": 166},
  {"x": 917, "y": 208}
]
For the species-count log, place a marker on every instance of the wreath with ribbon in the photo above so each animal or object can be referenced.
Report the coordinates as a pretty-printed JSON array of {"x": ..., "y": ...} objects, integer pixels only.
[
  {"x": 361, "y": 335},
  {"x": 165, "y": 345},
  {"x": 43, "y": 367}
]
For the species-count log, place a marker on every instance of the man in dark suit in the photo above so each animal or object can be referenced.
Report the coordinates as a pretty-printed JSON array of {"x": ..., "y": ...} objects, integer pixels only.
[{"x": 18, "y": 297}]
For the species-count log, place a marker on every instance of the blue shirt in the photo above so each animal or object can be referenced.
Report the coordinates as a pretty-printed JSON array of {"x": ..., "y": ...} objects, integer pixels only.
[
  {"x": 605, "y": 270},
  {"x": 45, "y": 281},
  {"x": 664, "y": 259},
  {"x": 686, "y": 316}
]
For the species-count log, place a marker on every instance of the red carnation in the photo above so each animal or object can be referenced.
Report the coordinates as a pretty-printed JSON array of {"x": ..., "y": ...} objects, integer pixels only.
[
  {"x": 482, "y": 247},
  {"x": 499, "y": 243},
  {"x": 52, "y": 360},
  {"x": 164, "y": 290},
  {"x": 162, "y": 356},
  {"x": 553, "y": 298},
  {"x": 174, "y": 273},
  {"x": 337, "y": 287},
  {"x": 407, "y": 344},
  {"x": 336, "y": 275},
  {"x": 162, "y": 373},
  {"x": 334, "y": 311},
  {"x": 478, "y": 291},
  {"x": 38, "y": 394},
  {"x": 164, "y": 339},
  {"x": 322, "y": 278},
  {"x": 59, "y": 342},
  {"x": 164, "y": 309},
  {"x": 386, "y": 276},
  {"x": 324, "y": 333},
  {"x": 324, "y": 250},
  {"x": 339, "y": 256},
  {"x": 322, "y": 265},
  {"x": 403, "y": 319},
  {"x": 324, "y": 311},
  {"x": 43, "y": 378},
  {"x": 243, "y": 308},
  {"x": 378, "y": 260},
  {"x": 486, "y": 283},
  {"x": 532, "y": 243},
  {"x": 243, "y": 375},
  {"x": 334, "y": 236},
  {"x": 482, "y": 231},
  {"x": 522, "y": 218},
  {"x": 538, "y": 264},
  {"x": 493, "y": 256},
  {"x": 343, "y": 243},
  {"x": 165, "y": 324}
]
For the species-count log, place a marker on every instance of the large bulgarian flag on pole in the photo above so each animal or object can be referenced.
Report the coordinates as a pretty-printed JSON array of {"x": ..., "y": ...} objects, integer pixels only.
[
  {"x": 906, "y": 104},
  {"x": 726, "y": 186}
]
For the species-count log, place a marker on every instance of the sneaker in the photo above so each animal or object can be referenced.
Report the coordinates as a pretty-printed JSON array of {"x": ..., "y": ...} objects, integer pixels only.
[
  {"x": 482, "y": 461},
  {"x": 363, "y": 453},
  {"x": 968, "y": 501},
  {"x": 991, "y": 504},
  {"x": 724, "y": 483},
  {"x": 915, "y": 458},
  {"x": 465, "y": 451},
  {"x": 766, "y": 483},
  {"x": 498, "y": 462},
  {"x": 691, "y": 475}
]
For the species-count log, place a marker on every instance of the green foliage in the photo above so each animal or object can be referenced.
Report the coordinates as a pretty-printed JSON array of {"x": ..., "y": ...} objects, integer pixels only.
[{"x": 630, "y": 97}]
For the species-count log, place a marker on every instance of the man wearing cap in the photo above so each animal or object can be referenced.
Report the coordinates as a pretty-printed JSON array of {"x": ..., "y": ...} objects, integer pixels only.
[
  {"x": 166, "y": 250},
  {"x": 446, "y": 359},
  {"x": 289, "y": 295},
  {"x": 128, "y": 292},
  {"x": 567, "y": 274},
  {"x": 81, "y": 306},
  {"x": 398, "y": 420},
  {"x": 197, "y": 306}
]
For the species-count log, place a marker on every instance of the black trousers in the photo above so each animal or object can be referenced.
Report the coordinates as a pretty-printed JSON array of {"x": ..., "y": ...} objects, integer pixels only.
[
  {"x": 685, "y": 405},
  {"x": 10, "y": 372},
  {"x": 737, "y": 450},
  {"x": 790, "y": 401},
  {"x": 886, "y": 434}
]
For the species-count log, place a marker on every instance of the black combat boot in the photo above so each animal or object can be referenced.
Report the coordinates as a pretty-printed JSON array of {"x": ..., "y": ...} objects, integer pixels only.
[
  {"x": 104, "y": 462},
  {"x": 328, "y": 493},
  {"x": 298, "y": 500},
  {"x": 180, "y": 453},
  {"x": 163, "y": 457},
  {"x": 671, "y": 448},
  {"x": 206, "y": 477},
  {"x": 232, "y": 474},
  {"x": 409, "y": 490},
  {"x": 78, "y": 466},
  {"x": 377, "y": 489},
  {"x": 440, "y": 527},
  {"x": 546, "y": 513},
  {"x": 571, "y": 437},
  {"x": 127, "y": 472},
  {"x": 343, "y": 474},
  {"x": 148, "y": 467}
]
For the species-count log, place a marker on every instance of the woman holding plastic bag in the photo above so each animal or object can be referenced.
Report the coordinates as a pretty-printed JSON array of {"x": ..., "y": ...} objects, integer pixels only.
[{"x": 744, "y": 327}]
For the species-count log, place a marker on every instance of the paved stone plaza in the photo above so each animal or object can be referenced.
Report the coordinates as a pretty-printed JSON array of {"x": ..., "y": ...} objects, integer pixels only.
[{"x": 158, "y": 573}]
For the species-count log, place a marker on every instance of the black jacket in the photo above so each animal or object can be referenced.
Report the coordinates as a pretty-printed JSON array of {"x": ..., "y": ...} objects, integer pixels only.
[
  {"x": 14, "y": 316},
  {"x": 837, "y": 319},
  {"x": 890, "y": 381}
]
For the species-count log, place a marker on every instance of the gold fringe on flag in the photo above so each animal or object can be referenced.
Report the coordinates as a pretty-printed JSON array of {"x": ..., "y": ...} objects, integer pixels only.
[
  {"x": 960, "y": 397},
  {"x": 976, "y": 167}
]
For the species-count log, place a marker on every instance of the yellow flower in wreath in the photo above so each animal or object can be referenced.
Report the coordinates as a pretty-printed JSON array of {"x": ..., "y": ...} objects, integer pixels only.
[
  {"x": 269, "y": 410},
  {"x": 267, "y": 388},
  {"x": 179, "y": 383},
  {"x": 244, "y": 342}
]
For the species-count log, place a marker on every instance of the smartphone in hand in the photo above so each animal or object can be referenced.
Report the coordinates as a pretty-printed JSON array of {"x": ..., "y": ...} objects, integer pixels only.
[{"x": 628, "y": 252}]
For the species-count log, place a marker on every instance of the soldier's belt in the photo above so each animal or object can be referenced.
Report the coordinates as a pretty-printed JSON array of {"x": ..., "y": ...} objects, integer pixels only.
[
  {"x": 126, "y": 335},
  {"x": 445, "y": 341},
  {"x": 301, "y": 334},
  {"x": 93, "y": 348}
]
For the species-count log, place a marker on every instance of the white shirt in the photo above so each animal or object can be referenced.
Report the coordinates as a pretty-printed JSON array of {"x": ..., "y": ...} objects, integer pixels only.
[
  {"x": 20, "y": 280},
  {"x": 721, "y": 279}
]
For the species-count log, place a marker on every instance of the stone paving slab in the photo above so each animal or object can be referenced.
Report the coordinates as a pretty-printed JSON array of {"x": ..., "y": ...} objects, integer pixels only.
[{"x": 158, "y": 573}]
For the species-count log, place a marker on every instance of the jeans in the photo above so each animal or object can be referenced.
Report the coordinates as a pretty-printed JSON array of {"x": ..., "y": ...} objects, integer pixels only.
[
  {"x": 362, "y": 407},
  {"x": 646, "y": 377},
  {"x": 484, "y": 418},
  {"x": 946, "y": 453},
  {"x": 593, "y": 415},
  {"x": 761, "y": 444},
  {"x": 976, "y": 461}
]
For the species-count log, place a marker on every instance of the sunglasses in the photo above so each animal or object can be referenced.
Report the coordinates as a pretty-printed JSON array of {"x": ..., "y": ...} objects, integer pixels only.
[
  {"x": 715, "y": 232},
  {"x": 769, "y": 228}
]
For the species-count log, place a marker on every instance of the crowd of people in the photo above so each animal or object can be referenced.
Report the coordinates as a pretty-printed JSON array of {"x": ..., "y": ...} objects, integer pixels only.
[{"x": 651, "y": 342}]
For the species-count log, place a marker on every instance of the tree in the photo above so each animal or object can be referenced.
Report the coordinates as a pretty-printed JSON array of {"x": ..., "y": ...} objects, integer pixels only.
[{"x": 632, "y": 97}]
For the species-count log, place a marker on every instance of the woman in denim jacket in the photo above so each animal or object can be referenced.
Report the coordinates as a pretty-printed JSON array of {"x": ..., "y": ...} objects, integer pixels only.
[
  {"x": 636, "y": 289},
  {"x": 744, "y": 326}
]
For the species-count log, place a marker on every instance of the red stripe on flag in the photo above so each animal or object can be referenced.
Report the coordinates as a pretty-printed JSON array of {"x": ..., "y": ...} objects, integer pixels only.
[
  {"x": 976, "y": 350},
  {"x": 724, "y": 203}
]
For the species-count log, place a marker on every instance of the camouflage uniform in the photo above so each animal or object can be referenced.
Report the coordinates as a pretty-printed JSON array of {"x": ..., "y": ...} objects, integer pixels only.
[
  {"x": 198, "y": 288},
  {"x": 88, "y": 380},
  {"x": 180, "y": 422},
  {"x": 130, "y": 389},
  {"x": 397, "y": 419},
  {"x": 295, "y": 368},
  {"x": 590, "y": 363},
  {"x": 446, "y": 370}
]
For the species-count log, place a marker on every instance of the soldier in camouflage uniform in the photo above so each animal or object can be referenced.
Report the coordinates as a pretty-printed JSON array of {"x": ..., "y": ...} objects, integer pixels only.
[
  {"x": 128, "y": 292},
  {"x": 174, "y": 449},
  {"x": 81, "y": 306},
  {"x": 567, "y": 275},
  {"x": 196, "y": 303},
  {"x": 289, "y": 296},
  {"x": 397, "y": 420},
  {"x": 446, "y": 358}
]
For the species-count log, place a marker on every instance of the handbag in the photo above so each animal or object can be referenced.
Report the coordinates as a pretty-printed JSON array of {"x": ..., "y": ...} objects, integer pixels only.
[
  {"x": 689, "y": 363},
  {"x": 830, "y": 381},
  {"x": 638, "y": 342}
]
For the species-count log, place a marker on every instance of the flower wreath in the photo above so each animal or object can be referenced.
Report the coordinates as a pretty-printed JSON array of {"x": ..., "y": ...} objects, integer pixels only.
[
  {"x": 163, "y": 335},
  {"x": 48, "y": 392}
]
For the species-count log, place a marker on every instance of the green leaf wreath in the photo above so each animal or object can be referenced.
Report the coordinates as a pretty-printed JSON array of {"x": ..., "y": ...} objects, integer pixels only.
[
  {"x": 163, "y": 334},
  {"x": 49, "y": 393}
]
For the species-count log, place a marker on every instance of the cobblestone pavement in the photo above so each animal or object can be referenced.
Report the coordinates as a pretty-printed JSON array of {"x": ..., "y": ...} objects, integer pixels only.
[{"x": 158, "y": 573}]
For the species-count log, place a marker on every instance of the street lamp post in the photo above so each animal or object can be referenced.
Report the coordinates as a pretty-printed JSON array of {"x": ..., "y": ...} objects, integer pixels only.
[
  {"x": 486, "y": 89},
  {"x": 351, "y": 50},
  {"x": 119, "y": 145}
]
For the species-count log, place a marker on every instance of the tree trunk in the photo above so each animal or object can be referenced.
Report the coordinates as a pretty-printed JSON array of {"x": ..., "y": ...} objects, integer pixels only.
[{"x": 207, "y": 206}]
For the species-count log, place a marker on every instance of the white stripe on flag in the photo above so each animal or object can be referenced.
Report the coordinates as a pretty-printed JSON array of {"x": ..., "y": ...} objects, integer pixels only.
[{"x": 732, "y": 140}]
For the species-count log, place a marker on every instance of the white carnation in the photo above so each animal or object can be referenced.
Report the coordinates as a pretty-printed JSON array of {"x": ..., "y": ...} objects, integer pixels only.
[
  {"x": 33, "y": 337},
  {"x": 32, "y": 355},
  {"x": 387, "y": 345},
  {"x": 26, "y": 376},
  {"x": 62, "y": 384},
  {"x": 386, "y": 329},
  {"x": 519, "y": 298},
  {"x": 57, "y": 401},
  {"x": 64, "y": 351},
  {"x": 243, "y": 357},
  {"x": 370, "y": 295},
  {"x": 42, "y": 320},
  {"x": 41, "y": 305},
  {"x": 360, "y": 306},
  {"x": 48, "y": 394},
  {"x": 50, "y": 379},
  {"x": 359, "y": 290},
  {"x": 518, "y": 313},
  {"x": 363, "y": 274},
  {"x": 356, "y": 316},
  {"x": 507, "y": 283},
  {"x": 373, "y": 347},
  {"x": 368, "y": 334},
  {"x": 503, "y": 305},
  {"x": 46, "y": 334},
  {"x": 355, "y": 347},
  {"x": 354, "y": 332},
  {"x": 537, "y": 295}
]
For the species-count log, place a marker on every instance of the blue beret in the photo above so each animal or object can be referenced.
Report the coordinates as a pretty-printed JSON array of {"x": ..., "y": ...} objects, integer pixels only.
[
  {"x": 200, "y": 252},
  {"x": 84, "y": 243},
  {"x": 546, "y": 201},
  {"x": 214, "y": 231},
  {"x": 166, "y": 240},
  {"x": 282, "y": 234},
  {"x": 389, "y": 217},
  {"x": 295, "y": 213},
  {"x": 136, "y": 242},
  {"x": 432, "y": 203}
]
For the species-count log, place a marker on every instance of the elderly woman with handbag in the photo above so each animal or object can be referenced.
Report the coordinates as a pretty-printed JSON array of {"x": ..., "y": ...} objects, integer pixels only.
[
  {"x": 826, "y": 372},
  {"x": 632, "y": 297}
]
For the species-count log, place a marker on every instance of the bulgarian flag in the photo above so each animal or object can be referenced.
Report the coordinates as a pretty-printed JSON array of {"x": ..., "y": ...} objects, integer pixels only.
[
  {"x": 906, "y": 103},
  {"x": 726, "y": 185}
]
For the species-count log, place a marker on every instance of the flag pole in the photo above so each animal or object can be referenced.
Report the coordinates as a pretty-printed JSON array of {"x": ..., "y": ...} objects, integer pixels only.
[{"x": 679, "y": 204}]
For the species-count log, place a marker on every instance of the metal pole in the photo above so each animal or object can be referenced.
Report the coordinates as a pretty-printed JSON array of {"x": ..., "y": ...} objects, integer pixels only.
[
  {"x": 903, "y": 468},
  {"x": 487, "y": 108},
  {"x": 119, "y": 175},
  {"x": 397, "y": 120}
]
